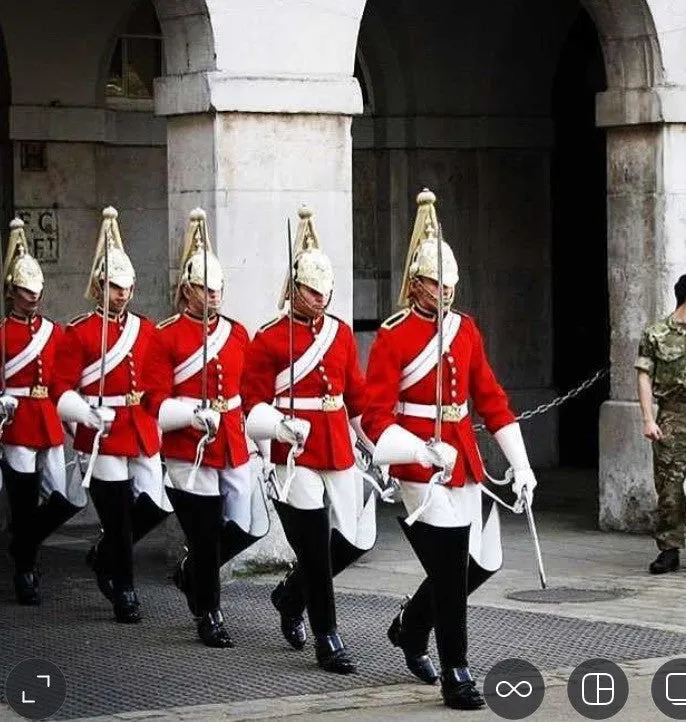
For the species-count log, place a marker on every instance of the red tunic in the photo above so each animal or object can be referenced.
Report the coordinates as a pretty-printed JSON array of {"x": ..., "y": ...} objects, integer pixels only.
[
  {"x": 36, "y": 422},
  {"x": 328, "y": 445},
  {"x": 134, "y": 431},
  {"x": 174, "y": 341},
  {"x": 466, "y": 375}
]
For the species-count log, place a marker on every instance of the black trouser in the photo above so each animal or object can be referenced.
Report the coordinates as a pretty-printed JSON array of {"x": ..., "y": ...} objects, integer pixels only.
[
  {"x": 31, "y": 523},
  {"x": 309, "y": 533},
  {"x": 444, "y": 554},
  {"x": 200, "y": 518},
  {"x": 292, "y": 598},
  {"x": 113, "y": 500}
]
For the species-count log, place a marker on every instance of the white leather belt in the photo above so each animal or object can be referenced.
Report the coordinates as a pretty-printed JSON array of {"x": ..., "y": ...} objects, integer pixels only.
[
  {"x": 452, "y": 412},
  {"x": 34, "y": 392},
  {"x": 220, "y": 405},
  {"x": 316, "y": 403},
  {"x": 131, "y": 399}
]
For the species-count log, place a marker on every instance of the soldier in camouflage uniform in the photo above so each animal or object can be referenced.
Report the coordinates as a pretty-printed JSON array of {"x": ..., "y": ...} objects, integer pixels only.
[{"x": 661, "y": 366}]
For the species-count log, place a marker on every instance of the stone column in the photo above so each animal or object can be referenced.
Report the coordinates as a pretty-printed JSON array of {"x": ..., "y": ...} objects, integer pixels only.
[
  {"x": 646, "y": 143},
  {"x": 250, "y": 152}
]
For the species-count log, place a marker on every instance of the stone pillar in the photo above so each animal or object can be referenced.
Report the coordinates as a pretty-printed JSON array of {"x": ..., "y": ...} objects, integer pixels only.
[
  {"x": 646, "y": 254},
  {"x": 250, "y": 152}
]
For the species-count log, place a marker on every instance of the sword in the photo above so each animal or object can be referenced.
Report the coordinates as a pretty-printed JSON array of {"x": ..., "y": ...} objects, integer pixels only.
[
  {"x": 105, "y": 313},
  {"x": 291, "y": 294},
  {"x": 85, "y": 483},
  {"x": 205, "y": 313},
  {"x": 201, "y": 234},
  {"x": 537, "y": 546},
  {"x": 439, "y": 335}
]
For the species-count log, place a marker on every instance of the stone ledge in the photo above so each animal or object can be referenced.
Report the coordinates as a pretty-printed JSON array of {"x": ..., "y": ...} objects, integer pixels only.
[
  {"x": 638, "y": 106},
  {"x": 217, "y": 91}
]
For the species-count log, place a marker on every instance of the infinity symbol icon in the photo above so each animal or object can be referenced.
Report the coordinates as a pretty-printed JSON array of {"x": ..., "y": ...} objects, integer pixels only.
[{"x": 526, "y": 689}]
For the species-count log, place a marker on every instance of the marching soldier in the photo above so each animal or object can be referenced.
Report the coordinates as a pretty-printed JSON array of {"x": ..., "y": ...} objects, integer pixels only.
[
  {"x": 301, "y": 384},
  {"x": 457, "y": 552},
  {"x": 192, "y": 375},
  {"x": 32, "y": 434},
  {"x": 101, "y": 393}
]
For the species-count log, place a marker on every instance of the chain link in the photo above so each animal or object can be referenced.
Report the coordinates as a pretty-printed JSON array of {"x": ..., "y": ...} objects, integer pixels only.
[{"x": 559, "y": 400}]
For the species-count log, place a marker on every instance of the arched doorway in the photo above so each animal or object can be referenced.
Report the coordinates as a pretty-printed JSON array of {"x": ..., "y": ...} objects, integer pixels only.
[
  {"x": 481, "y": 104},
  {"x": 581, "y": 327}
]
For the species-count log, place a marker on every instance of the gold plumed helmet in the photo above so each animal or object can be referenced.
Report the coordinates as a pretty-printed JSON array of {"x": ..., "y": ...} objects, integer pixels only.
[
  {"x": 193, "y": 258},
  {"x": 120, "y": 270},
  {"x": 21, "y": 268},
  {"x": 422, "y": 255},
  {"x": 312, "y": 266}
]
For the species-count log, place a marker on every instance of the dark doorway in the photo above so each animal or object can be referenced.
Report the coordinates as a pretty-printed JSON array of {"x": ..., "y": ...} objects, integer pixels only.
[
  {"x": 580, "y": 288},
  {"x": 6, "y": 192}
]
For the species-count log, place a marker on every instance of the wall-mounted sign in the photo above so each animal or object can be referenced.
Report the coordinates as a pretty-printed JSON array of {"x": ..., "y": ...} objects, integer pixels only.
[
  {"x": 41, "y": 233},
  {"x": 33, "y": 156}
]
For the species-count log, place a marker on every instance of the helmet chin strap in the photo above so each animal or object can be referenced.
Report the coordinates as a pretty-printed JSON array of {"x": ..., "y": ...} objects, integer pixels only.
[
  {"x": 301, "y": 305},
  {"x": 426, "y": 298}
]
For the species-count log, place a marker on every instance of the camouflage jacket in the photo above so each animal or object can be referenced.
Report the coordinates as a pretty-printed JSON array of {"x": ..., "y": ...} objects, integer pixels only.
[{"x": 662, "y": 354}]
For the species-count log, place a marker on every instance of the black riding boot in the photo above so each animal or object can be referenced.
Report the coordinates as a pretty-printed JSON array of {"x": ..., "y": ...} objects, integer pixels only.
[
  {"x": 410, "y": 629},
  {"x": 232, "y": 541},
  {"x": 113, "y": 501},
  {"x": 200, "y": 519},
  {"x": 288, "y": 597},
  {"x": 444, "y": 554},
  {"x": 145, "y": 516},
  {"x": 309, "y": 533},
  {"x": 22, "y": 493}
]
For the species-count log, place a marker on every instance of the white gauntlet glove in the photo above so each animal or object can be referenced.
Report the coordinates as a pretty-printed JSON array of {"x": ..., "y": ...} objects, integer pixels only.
[
  {"x": 510, "y": 440},
  {"x": 73, "y": 408},
  {"x": 206, "y": 420},
  {"x": 8, "y": 405},
  {"x": 101, "y": 419},
  {"x": 293, "y": 432},
  {"x": 440, "y": 454}
]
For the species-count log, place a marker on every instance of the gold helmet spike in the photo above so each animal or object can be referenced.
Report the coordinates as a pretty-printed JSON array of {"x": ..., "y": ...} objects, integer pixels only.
[
  {"x": 192, "y": 262},
  {"x": 21, "y": 268},
  {"x": 422, "y": 255},
  {"x": 312, "y": 266},
  {"x": 120, "y": 269}
]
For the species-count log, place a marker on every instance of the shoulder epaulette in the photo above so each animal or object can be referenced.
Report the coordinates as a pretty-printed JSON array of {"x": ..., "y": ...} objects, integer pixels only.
[
  {"x": 81, "y": 317},
  {"x": 168, "y": 321},
  {"x": 396, "y": 318},
  {"x": 269, "y": 324}
]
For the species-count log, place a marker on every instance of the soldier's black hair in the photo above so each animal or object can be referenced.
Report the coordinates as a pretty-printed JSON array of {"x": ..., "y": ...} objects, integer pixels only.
[{"x": 680, "y": 290}]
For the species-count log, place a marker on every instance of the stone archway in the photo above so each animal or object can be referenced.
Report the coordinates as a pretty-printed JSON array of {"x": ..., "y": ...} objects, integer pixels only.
[{"x": 463, "y": 105}]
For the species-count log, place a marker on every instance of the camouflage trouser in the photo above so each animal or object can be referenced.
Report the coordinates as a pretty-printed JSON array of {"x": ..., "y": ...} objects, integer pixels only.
[{"x": 669, "y": 463}]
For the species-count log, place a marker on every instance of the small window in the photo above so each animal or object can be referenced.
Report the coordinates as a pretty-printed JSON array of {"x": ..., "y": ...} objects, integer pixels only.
[{"x": 137, "y": 58}]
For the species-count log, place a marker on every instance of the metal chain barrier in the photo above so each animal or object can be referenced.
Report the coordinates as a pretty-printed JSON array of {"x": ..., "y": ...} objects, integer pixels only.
[{"x": 559, "y": 400}]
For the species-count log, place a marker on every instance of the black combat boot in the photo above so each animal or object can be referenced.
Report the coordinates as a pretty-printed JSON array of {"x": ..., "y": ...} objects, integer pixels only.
[
  {"x": 667, "y": 561},
  {"x": 444, "y": 554}
]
